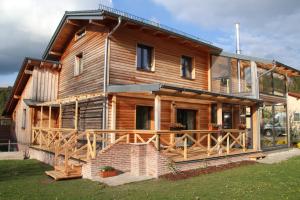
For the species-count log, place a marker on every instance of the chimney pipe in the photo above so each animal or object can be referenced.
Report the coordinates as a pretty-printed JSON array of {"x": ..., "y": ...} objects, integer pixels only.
[
  {"x": 237, "y": 29},
  {"x": 238, "y": 51}
]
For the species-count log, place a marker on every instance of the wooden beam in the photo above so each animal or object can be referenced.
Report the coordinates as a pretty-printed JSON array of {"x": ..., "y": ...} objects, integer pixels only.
[
  {"x": 72, "y": 23},
  {"x": 17, "y": 97},
  {"x": 95, "y": 23},
  {"x": 29, "y": 72},
  {"x": 55, "y": 53}
]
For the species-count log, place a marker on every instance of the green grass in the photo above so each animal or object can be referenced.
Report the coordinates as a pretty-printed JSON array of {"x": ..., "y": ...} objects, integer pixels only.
[{"x": 26, "y": 180}]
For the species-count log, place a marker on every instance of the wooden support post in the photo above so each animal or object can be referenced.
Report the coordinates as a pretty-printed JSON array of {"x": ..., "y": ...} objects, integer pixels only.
[
  {"x": 208, "y": 143},
  {"x": 113, "y": 118},
  {"x": 219, "y": 114},
  {"x": 128, "y": 138},
  {"x": 157, "y": 112},
  {"x": 50, "y": 116},
  {"x": 60, "y": 116},
  {"x": 185, "y": 150},
  {"x": 41, "y": 119},
  {"x": 76, "y": 116},
  {"x": 256, "y": 128}
]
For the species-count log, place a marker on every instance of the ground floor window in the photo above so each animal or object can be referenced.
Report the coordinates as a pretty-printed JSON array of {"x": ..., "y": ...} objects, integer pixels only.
[
  {"x": 143, "y": 117},
  {"x": 273, "y": 126}
]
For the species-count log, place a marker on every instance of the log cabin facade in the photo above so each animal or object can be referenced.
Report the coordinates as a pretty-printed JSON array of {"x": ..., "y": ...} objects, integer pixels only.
[{"x": 108, "y": 78}]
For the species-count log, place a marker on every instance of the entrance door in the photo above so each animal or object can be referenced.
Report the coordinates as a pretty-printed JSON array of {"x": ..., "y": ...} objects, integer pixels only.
[{"x": 187, "y": 118}]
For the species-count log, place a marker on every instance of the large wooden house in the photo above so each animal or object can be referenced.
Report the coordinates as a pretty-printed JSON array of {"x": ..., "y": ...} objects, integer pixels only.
[{"x": 114, "y": 89}]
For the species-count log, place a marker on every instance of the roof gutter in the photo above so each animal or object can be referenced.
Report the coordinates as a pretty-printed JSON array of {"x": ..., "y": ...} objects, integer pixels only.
[{"x": 106, "y": 72}]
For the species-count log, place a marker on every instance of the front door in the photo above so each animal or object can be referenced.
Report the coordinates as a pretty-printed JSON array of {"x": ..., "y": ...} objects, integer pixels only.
[{"x": 187, "y": 118}]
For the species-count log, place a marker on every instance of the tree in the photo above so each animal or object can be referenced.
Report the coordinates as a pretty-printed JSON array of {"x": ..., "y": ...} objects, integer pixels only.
[{"x": 4, "y": 95}]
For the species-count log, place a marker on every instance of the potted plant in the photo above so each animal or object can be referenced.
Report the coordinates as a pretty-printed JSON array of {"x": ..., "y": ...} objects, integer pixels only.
[
  {"x": 242, "y": 126},
  {"x": 107, "y": 171},
  {"x": 177, "y": 127},
  {"x": 214, "y": 126}
]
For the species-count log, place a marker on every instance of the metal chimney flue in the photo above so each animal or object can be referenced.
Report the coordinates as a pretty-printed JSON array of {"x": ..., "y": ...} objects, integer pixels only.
[
  {"x": 237, "y": 29},
  {"x": 238, "y": 51}
]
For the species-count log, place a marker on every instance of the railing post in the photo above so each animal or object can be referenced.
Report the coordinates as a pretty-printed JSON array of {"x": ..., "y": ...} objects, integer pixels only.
[
  {"x": 244, "y": 141},
  {"x": 172, "y": 139},
  {"x": 135, "y": 138},
  {"x": 208, "y": 143},
  {"x": 94, "y": 145},
  {"x": 219, "y": 143},
  {"x": 228, "y": 144},
  {"x": 157, "y": 142},
  {"x": 185, "y": 150},
  {"x": 8, "y": 146},
  {"x": 128, "y": 138}
]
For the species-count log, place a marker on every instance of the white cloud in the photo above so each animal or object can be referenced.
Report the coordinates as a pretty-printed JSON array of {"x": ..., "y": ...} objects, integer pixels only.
[
  {"x": 269, "y": 28},
  {"x": 27, "y": 25}
]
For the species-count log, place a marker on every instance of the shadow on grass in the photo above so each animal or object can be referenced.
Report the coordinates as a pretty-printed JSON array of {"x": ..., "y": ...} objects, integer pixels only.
[{"x": 21, "y": 169}]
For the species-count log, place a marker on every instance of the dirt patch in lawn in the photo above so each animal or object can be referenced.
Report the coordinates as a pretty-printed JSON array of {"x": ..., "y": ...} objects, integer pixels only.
[{"x": 207, "y": 170}]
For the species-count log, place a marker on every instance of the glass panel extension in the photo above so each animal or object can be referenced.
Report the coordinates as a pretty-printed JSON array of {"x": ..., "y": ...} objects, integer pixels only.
[
  {"x": 273, "y": 126},
  {"x": 224, "y": 76}
]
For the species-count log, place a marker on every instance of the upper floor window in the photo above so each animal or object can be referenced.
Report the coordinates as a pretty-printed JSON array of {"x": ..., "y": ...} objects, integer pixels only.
[
  {"x": 24, "y": 119},
  {"x": 187, "y": 70},
  {"x": 78, "y": 67},
  {"x": 144, "y": 57},
  {"x": 79, "y": 34}
]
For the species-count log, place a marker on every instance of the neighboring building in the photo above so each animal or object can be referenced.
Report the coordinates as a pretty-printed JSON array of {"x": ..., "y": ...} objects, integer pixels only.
[
  {"x": 109, "y": 80},
  {"x": 294, "y": 115}
]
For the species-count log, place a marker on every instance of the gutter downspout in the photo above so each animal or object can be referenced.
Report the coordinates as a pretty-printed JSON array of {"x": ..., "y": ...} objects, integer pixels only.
[
  {"x": 106, "y": 72},
  {"x": 257, "y": 96}
]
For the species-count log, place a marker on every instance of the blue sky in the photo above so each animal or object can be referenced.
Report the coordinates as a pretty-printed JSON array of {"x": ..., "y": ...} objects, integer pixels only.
[{"x": 267, "y": 27}]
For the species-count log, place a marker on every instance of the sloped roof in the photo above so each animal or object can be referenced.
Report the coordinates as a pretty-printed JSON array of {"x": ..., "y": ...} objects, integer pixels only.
[{"x": 21, "y": 81}]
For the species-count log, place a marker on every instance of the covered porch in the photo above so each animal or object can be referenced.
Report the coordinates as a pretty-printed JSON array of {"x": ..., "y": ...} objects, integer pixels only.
[{"x": 166, "y": 124}]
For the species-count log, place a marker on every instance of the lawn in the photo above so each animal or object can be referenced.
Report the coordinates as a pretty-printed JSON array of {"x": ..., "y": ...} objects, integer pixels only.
[{"x": 26, "y": 180}]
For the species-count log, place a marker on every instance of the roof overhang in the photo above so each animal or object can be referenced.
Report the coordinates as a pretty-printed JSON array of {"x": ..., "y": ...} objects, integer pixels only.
[
  {"x": 172, "y": 90},
  {"x": 72, "y": 21},
  {"x": 22, "y": 79}
]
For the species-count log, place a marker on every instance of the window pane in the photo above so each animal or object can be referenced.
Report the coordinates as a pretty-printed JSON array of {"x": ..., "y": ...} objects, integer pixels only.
[
  {"x": 139, "y": 57},
  {"x": 144, "y": 57},
  {"x": 265, "y": 82},
  {"x": 214, "y": 114},
  {"x": 279, "y": 84},
  {"x": 143, "y": 117},
  {"x": 186, "y": 66}
]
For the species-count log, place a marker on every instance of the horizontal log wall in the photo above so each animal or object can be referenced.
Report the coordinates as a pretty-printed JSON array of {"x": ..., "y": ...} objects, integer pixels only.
[
  {"x": 91, "y": 79},
  {"x": 167, "y": 56}
]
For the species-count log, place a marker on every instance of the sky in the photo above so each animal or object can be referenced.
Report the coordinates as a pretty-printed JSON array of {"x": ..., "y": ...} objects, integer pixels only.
[{"x": 269, "y": 28}]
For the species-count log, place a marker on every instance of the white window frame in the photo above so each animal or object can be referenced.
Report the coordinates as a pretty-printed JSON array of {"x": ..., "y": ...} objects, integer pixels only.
[{"x": 78, "y": 66}]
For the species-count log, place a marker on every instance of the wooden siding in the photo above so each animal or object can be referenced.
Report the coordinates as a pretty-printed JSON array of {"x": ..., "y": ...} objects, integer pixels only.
[
  {"x": 167, "y": 55},
  {"x": 44, "y": 84},
  {"x": 126, "y": 107},
  {"x": 23, "y": 135},
  {"x": 91, "y": 79}
]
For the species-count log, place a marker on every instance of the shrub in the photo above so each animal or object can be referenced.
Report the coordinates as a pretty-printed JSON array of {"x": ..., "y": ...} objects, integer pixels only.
[{"x": 106, "y": 168}]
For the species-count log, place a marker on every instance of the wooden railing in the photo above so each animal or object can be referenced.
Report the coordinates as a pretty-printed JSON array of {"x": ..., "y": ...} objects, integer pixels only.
[{"x": 88, "y": 144}]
